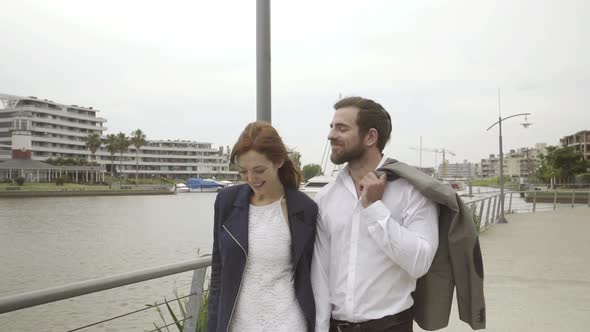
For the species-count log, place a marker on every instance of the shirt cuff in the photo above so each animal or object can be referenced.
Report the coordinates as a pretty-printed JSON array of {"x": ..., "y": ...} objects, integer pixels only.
[{"x": 376, "y": 213}]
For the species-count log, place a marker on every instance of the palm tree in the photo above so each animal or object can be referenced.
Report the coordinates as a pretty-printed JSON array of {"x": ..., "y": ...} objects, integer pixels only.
[
  {"x": 111, "y": 146},
  {"x": 138, "y": 139},
  {"x": 93, "y": 143},
  {"x": 122, "y": 146}
]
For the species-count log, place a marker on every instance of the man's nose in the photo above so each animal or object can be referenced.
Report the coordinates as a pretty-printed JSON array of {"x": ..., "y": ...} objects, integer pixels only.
[{"x": 331, "y": 135}]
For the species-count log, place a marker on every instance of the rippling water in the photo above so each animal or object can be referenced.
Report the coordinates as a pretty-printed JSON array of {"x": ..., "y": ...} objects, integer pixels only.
[{"x": 47, "y": 242}]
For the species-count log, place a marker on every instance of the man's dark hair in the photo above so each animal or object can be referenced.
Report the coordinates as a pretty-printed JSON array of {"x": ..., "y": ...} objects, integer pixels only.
[{"x": 371, "y": 115}]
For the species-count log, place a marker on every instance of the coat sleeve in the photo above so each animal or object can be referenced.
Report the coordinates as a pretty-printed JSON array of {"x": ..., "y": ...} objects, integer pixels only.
[
  {"x": 215, "y": 284},
  {"x": 320, "y": 275}
]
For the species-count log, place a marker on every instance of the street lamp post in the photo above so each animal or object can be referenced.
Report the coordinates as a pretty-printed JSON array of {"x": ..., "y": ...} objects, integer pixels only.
[
  {"x": 502, "y": 220},
  {"x": 263, "y": 84}
]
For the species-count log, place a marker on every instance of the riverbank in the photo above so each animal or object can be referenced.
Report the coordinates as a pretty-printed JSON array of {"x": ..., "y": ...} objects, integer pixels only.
[
  {"x": 83, "y": 193},
  {"x": 30, "y": 190}
]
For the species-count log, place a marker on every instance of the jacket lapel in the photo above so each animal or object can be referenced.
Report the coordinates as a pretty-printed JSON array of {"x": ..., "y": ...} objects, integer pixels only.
[
  {"x": 237, "y": 222},
  {"x": 301, "y": 232}
]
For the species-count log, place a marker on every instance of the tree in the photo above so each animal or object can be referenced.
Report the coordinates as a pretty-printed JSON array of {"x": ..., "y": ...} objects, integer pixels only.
[
  {"x": 138, "y": 139},
  {"x": 122, "y": 144},
  {"x": 296, "y": 157},
  {"x": 311, "y": 170},
  {"x": 111, "y": 146},
  {"x": 93, "y": 143},
  {"x": 562, "y": 163}
]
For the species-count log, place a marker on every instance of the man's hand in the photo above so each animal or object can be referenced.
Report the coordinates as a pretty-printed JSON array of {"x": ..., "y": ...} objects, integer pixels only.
[{"x": 372, "y": 188}]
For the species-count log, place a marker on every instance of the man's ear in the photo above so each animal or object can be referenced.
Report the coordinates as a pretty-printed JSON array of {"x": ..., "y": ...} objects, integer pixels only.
[{"x": 371, "y": 137}]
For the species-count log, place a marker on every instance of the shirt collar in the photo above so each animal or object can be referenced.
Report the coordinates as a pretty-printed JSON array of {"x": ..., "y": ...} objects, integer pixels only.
[
  {"x": 343, "y": 174},
  {"x": 344, "y": 171}
]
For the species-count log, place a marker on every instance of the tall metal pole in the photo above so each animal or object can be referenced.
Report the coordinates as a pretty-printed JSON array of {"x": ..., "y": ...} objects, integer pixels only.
[
  {"x": 501, "y": 219},
  {"x": 263, "y": 101}
]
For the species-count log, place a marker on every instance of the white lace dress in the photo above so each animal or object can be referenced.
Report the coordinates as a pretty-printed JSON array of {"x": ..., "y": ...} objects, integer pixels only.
[{"x": 267, "y": 301}]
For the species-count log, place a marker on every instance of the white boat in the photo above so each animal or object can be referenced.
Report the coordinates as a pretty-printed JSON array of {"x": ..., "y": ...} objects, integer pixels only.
[
  {"x": 315, "y": 184},
  {"x": 181, "y": 188},
  {"x": 456, "y": 185},
  {"x": 198, "y": 185}
]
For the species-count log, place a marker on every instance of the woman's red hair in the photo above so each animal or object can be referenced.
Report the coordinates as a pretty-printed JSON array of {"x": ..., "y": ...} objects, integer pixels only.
[{"x": 263, "y": 138}]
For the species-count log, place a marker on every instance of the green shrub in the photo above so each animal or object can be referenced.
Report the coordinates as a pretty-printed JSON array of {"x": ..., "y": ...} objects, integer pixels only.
[
  {"x": 60, "y": 181},
  {"x": 20, "y": 181},
  {"x": 583, "y": 178},
  {"x": 178, "y": 318}
]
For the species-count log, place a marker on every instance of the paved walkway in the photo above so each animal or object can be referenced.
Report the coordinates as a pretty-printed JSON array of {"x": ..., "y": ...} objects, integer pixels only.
[{"x": 537, "y": 273}]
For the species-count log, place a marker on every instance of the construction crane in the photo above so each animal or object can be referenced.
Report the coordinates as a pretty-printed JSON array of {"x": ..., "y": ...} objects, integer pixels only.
[{"x": 444, "y": 152}]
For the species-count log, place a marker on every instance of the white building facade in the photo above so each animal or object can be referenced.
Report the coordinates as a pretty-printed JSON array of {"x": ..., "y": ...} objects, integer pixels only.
[
  {"x": 42, "y": 129},
  {"x": 464, "y": 170},
  {"x": 520, "y": 163}
]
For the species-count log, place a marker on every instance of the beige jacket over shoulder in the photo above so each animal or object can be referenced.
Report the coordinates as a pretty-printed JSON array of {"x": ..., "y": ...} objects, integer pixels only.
[{"x": 457, "y": 262}]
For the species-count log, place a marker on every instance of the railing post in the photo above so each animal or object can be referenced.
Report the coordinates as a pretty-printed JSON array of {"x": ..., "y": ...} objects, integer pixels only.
[
  {"x": 554, "y": 200},
  {"x": 534, "y": 200},
  {"x": 494, "y": 209},
  {"x": 510, "y": 204},
  {"x": 488, "y": 209},
  {"x": 483, "y": 203},
  {"x": 573, "y": 198},
  {"x": 193, "y": 309},
  {"x": 472, "y": 207},
  {"x": 500, "y": 206}
]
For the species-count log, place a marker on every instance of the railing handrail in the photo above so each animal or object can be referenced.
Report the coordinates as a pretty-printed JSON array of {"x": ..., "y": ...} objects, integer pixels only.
[
  {"x": 53, "y": 294},
  {"x": 497, "y": 193},
  {"x": 480, "y": 199}
]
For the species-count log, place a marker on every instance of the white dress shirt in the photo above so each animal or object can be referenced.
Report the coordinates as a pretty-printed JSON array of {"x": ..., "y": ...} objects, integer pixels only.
[{"x": 367, "y": 260}]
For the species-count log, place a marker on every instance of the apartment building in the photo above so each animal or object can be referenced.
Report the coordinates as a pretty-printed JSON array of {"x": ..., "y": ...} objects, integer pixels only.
[
  {"x": 42, "y": 129},
  {"x": 518, "y": 163},
  {"x": 464, "y": 170},
  {"x": 580, "y": 141}
]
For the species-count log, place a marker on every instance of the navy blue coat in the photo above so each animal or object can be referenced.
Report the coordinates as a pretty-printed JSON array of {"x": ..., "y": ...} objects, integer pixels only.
[{"x": 230, "y": 247}]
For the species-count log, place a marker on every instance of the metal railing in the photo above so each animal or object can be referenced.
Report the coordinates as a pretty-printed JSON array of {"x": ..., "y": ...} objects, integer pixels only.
[
  {"x": 486, "y": 210},
  {"x": 54, "y": 294}
]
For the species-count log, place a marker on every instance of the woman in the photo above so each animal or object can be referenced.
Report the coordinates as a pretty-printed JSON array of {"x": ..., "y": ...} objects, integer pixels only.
[{"x": 264, "y": 232}]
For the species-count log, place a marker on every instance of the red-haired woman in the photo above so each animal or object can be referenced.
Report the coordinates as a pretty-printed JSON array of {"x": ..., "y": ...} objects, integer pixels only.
[{"x": 264, "y": 233}]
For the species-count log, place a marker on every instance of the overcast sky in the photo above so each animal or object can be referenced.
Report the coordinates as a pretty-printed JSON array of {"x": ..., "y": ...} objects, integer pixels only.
[{"x": 187, "y": 69}]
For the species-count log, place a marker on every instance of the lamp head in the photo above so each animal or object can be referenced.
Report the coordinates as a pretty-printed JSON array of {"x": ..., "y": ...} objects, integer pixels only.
[{"x": 526, "y": 123}]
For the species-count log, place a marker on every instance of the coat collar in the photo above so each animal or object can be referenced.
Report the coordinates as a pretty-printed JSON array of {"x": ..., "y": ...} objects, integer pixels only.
[
  {"x": 237, "y": 222},
  {"x": 301, "y": 232}
]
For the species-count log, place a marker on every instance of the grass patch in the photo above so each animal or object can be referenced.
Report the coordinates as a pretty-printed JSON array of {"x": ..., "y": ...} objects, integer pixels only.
[{"x": 50, "y": 186}]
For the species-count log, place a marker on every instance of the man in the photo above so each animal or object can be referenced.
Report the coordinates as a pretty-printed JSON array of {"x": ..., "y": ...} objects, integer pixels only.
[{"x": 374, "y": 238}]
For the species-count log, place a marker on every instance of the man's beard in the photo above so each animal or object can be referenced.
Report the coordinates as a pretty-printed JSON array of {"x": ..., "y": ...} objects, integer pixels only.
[{"x": 354, "y": 153}]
